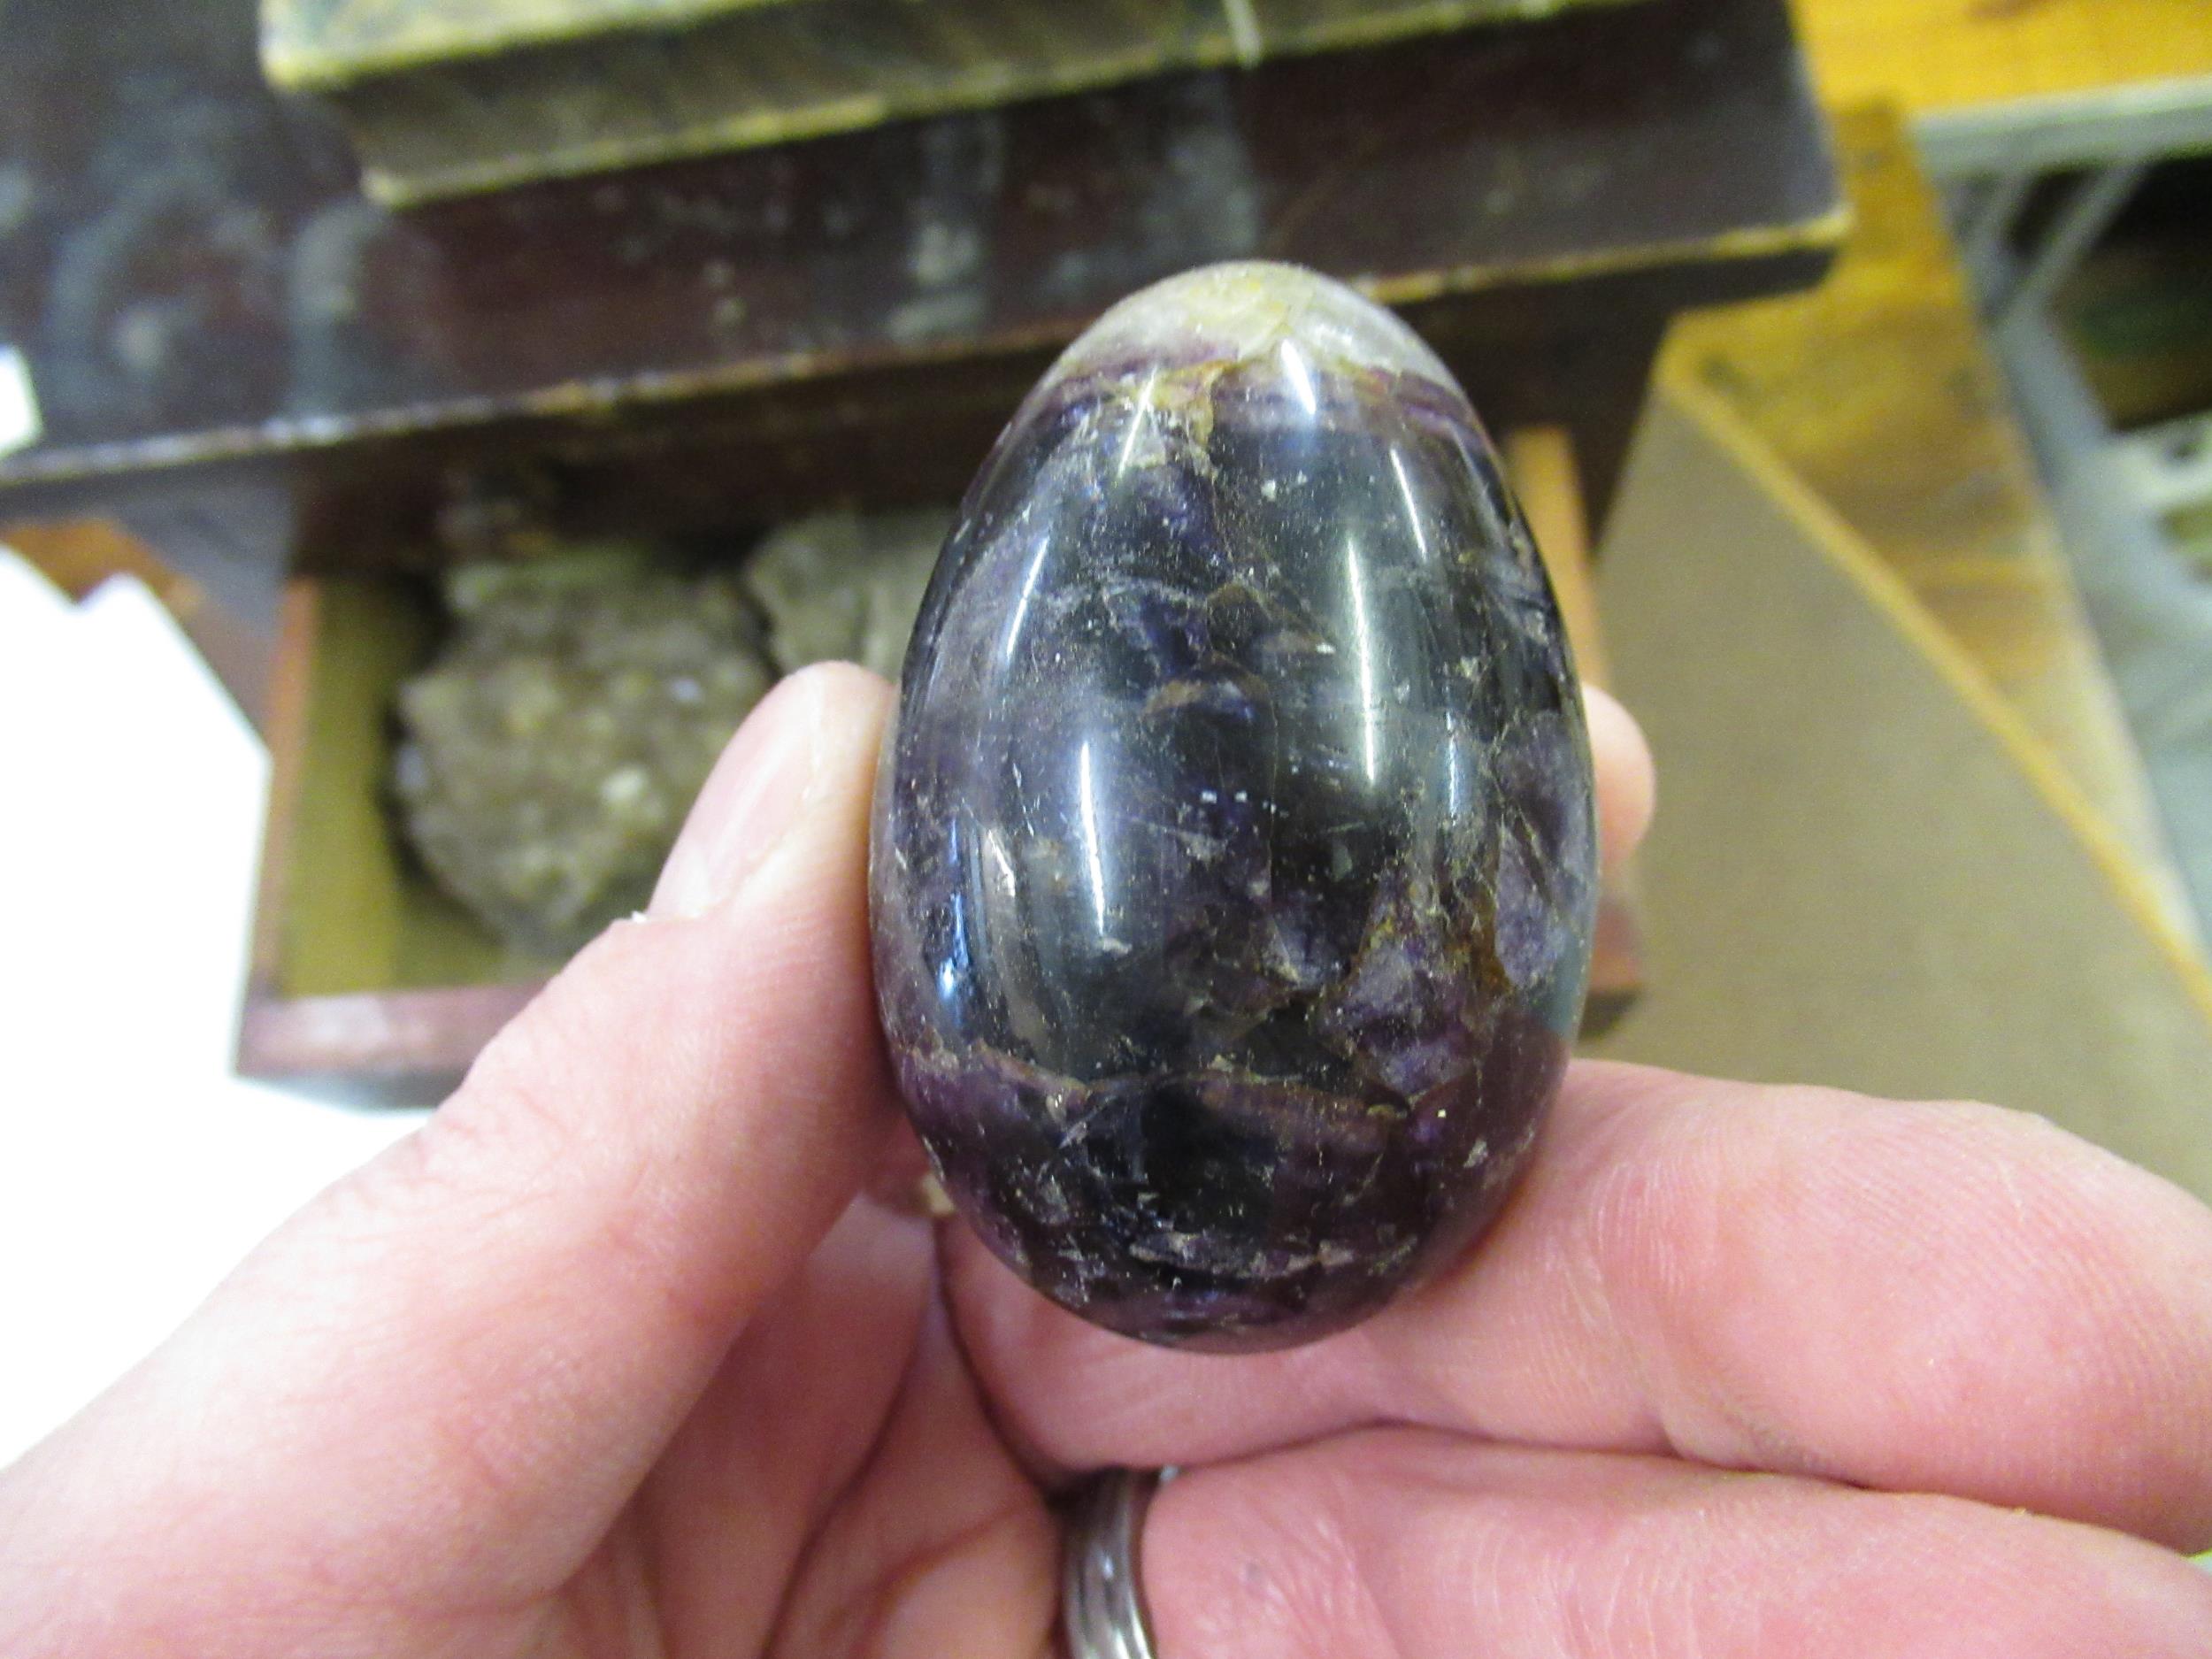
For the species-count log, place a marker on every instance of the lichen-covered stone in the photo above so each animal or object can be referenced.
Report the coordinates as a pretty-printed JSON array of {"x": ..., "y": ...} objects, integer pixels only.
[
  {"x": 550, "y": 753},
  {"x": 1234, "y": 855}
]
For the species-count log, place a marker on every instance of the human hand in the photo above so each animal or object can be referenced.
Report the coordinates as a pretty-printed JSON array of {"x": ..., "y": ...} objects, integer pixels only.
[{"x": 616, "y": 1355}]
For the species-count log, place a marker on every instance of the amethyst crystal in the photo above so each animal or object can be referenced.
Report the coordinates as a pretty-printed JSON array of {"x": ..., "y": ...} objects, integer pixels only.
[{"x": 1234, "y": 855}]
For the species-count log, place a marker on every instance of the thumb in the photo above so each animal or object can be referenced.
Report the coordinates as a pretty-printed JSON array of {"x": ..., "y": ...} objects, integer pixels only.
[{"x": 450, "y": 1372}]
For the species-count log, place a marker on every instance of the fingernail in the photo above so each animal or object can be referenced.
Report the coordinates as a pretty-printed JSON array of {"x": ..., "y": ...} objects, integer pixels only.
[{"x": 751, "y": 799}]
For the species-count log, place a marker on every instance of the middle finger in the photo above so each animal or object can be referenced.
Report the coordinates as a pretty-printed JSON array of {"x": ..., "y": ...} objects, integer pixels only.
[{"x": 1943, "y": 1299}]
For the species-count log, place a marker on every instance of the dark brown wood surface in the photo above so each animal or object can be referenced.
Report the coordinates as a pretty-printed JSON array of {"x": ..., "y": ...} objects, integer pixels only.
[{"x": 195, "y": 279}]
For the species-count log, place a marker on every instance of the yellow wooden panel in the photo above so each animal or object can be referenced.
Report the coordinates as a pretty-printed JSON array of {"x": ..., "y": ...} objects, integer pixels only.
[
  {"x": 359, "y": 914},
  {"x": 1941, "y": 55},
  {"x": 1878, "y": 391},
  {"x": 1865, "y": 872}
]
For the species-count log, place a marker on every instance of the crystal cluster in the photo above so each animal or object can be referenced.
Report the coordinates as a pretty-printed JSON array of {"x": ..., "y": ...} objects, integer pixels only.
[{"x": 549, "y": 753}]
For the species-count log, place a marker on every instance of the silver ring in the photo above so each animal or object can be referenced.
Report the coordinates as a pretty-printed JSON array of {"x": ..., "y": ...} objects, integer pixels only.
[{"x": 1102, "y": 1598}]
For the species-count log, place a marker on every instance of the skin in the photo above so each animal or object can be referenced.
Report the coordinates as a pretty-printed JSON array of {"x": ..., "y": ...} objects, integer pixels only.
[{"x": 635, "y": 1350}]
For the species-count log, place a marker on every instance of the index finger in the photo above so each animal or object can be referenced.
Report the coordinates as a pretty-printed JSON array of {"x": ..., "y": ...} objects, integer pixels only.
[{"x": 1947, "y": 1299}]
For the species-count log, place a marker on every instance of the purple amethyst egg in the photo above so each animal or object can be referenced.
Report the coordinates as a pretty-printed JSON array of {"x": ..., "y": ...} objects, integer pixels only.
[{"x": 1233, "y": 854}]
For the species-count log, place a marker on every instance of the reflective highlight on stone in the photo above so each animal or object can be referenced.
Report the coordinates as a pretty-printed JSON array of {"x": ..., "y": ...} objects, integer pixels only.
[{"x": 1234, "y": 856}]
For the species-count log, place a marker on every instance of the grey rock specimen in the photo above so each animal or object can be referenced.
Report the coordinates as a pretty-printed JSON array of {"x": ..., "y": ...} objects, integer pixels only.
[
  {"x": 550, "y": 752},
  {"x": 838, "y": 587}
]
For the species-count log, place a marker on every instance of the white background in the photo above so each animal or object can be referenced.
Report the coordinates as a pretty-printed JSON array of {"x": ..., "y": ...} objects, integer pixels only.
[{"x": 135, "y": 1169}]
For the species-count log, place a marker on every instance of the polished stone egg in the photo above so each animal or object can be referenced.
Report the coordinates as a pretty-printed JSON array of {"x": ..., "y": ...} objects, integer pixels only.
[{"x": 1233, "y": 857}]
